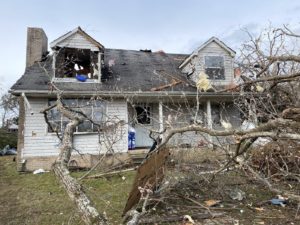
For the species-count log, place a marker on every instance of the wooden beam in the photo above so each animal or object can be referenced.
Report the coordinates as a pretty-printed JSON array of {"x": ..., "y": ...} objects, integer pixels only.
[
  {"x": 149, "y": 175},
  {"x": 173, "y": 83}
]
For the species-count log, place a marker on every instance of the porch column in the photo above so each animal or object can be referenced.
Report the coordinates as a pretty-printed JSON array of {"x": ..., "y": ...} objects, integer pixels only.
[
  {"x": 99, "y": 66},
  {"x": 160, "y": 116},
  {"x": 208, "y": 114},
  {"x": 252, "y": 112},
  {"x": 209, "y": 120}
]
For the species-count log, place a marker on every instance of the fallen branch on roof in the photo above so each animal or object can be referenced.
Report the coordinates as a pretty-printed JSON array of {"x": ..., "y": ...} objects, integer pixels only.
[{"x": 174, "y": 82}]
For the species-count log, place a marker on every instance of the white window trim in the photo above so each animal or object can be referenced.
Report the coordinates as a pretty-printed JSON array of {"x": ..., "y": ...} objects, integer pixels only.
[{"x": 75, "y": 132}]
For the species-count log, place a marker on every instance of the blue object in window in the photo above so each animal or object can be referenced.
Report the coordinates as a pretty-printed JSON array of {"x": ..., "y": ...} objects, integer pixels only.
[{"x": 81, "y": 77}]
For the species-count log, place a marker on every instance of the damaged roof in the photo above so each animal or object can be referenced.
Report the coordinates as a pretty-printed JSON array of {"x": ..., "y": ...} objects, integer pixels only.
[{"x": 124, "y": 71}]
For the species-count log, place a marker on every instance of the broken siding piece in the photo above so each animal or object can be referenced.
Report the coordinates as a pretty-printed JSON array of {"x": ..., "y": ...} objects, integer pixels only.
[{"x": 149, "y": 175}]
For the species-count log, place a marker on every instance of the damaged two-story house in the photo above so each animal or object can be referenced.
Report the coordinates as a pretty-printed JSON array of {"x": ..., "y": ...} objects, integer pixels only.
[{"x": 143, "y": 89}]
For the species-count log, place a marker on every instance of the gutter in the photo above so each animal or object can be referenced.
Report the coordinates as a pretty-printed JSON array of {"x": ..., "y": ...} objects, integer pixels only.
[{"x": 43, "y": 93}]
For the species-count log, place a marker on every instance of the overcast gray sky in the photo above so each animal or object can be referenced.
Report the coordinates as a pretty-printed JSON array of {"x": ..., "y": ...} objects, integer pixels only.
[{"x": 176, "y": 26}]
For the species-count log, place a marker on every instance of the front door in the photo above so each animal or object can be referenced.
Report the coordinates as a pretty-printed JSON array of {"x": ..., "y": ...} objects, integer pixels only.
[{"x": 143, "y": 124}]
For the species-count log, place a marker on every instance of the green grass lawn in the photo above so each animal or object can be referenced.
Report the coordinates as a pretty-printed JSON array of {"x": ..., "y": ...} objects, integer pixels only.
[{"x": 41, "y": 200}]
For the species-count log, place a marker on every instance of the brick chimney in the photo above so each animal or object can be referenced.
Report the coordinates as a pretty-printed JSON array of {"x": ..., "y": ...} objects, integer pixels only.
[{"x": 37, "y": 45}]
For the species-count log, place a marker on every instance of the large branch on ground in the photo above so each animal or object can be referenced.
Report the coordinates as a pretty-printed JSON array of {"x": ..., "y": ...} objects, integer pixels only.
[{"x": 75, "y": 191}]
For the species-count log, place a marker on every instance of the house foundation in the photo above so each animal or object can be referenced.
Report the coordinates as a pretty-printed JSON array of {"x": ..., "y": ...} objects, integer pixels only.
[{"x": 77, "y": 161}]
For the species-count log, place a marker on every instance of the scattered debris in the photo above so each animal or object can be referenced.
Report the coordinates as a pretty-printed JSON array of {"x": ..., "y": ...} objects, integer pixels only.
[
  {"x": 7, "y": 150},
  {"x": 39, "y": 171},
  {"x": 204, "y": 84},
  {"x": 111, "y": 62},
  {"x": 237, "y": 194},
  {"x": 247, "y": 125},
  {"x": 212, "y": 202},
  {"x": 146, "y": 50},
  {"x": 280, "y": 200},
  {"x": 259, "y": 209},
  {"x": 187, "y": 220}
]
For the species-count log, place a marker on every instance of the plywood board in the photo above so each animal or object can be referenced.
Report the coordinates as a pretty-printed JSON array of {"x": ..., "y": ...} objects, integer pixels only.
[{"x": 149, "y": 175}]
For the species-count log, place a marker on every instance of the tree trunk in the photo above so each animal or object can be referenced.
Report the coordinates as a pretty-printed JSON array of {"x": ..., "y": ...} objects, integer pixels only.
[{"x": 89, "y": 214}]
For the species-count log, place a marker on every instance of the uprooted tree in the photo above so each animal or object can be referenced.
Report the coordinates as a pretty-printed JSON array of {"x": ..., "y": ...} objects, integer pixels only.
[{"x": 269, "y": 86}]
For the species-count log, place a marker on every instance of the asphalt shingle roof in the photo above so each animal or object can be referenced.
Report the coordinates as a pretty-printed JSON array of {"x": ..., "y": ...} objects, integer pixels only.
[{"x": 131, "y": 71}]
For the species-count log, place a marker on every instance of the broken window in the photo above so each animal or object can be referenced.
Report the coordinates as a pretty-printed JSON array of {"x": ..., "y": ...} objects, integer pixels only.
[
  {"x": 143, "y": 114},
  {"x": 93, "y": 109},
  {"x": 214, "y": 67},
  {"x": 72, "y": 63}
]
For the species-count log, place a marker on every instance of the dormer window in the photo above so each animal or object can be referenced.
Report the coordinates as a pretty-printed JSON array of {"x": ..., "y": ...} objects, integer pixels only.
[
  {"x": 77, "y": 57},
  {"x": 214, "y": 67},
  {"x": 72, "y": 62}
]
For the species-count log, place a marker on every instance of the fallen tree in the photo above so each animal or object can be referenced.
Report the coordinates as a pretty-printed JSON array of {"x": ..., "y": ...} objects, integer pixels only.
[{"x": 89, "y": 213}]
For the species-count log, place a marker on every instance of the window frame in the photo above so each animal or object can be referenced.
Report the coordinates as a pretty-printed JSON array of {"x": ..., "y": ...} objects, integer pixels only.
[
  {"x": 206, "y": 67},
  {"x": 63, "y": 119},
  {"x": 147, "y": 112},
  {"x": 58, "y": 77}
]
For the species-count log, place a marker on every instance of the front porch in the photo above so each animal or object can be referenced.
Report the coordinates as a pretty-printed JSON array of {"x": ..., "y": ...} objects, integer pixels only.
[{"x": 149, "y": 117}]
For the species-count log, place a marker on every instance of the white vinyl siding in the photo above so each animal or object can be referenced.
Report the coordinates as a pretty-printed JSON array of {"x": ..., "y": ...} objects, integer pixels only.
[
  {"x": 78, "y": 41},
  {"x": 38, "y": 142}
]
